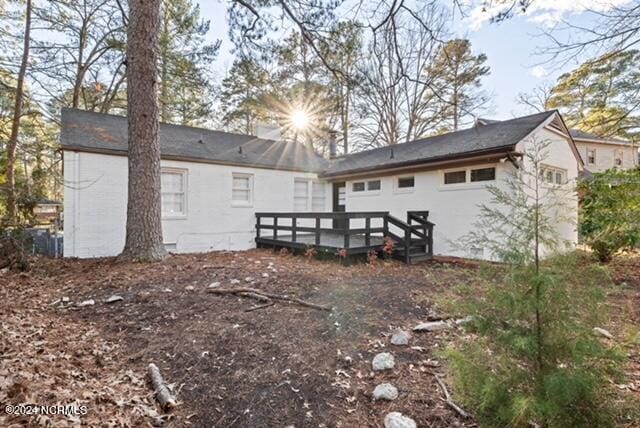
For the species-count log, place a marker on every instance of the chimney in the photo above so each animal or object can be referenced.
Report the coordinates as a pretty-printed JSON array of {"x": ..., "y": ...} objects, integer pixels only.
[
  {"x": 268, "y": 131},
  {"x": 333, "y": 147}
]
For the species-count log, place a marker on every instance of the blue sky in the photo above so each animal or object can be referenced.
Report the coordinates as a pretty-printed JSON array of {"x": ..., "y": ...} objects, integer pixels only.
[{"x": 510, "y": 46}]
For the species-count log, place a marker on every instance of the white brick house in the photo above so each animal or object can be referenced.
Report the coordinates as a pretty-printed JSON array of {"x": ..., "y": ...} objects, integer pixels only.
[{"x": 213, "y": 182}]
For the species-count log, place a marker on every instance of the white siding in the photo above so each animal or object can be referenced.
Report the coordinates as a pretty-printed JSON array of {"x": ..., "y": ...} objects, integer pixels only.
[
  {"x": 454, "y": 208},
  {"x": 605, "y": 154},
  {"x": 96, "y": 201}
]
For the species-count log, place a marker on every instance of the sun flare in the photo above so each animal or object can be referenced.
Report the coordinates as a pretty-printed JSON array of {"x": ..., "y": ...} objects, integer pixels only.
[{"x": 300, "y": 119}]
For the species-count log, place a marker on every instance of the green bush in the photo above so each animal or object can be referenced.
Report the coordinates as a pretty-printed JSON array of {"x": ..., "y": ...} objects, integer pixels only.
[
  {"x": 610, "y": 212},
  {"x": 536, "y": 359}
]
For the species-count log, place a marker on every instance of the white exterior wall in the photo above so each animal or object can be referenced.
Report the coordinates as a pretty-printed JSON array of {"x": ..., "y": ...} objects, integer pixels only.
[
  {"x": 454, "y": 208},
  {"x": 560, "y": 155},
  {"x": 605, "y": 154},
  {"x": 95, "y": 203}
]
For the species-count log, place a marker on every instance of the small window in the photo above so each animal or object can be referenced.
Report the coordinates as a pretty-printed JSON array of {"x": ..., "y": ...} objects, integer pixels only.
[
  {"x": 242, "y": 190},
  {"x": 559, "y": 177},
  {"x": 548, "y": 176},
  {"x": 483, "y": 174},
  {"x": 591, "y": 156},
  {"x": 173, "y": 185},
  {"x": 617, "y": 161},
  {"x": 373, "y": 185},
  {"x": 455, "y": 177},
  {"x": 358, "y": 187},
  {"x": 406, "y": 182},
  {"x": 317, "y": 196},
  {"x": 300, "y": 194}
]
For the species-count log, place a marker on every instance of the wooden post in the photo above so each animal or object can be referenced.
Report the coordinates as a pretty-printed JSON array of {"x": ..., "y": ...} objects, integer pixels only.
[
  {"x": 275, "y": 228},
  {"x": 367, "y": 233},
  {"x": 407, "y": 244},
  {"x": 257, "y": 225},
  {"x": 318, "y": 231},
  {"x": 346, "y": 231},
  {"x": 294, "y": 232}
]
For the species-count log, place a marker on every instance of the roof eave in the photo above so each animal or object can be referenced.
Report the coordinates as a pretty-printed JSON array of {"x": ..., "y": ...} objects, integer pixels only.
[{"x": 508, "y": 149}]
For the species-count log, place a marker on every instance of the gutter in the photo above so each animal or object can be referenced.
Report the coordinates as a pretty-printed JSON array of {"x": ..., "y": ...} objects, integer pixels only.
[{"x": 440, "y": 160}]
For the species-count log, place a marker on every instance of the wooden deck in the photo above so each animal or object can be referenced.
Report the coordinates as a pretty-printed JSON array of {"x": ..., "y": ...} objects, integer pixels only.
[{"x": 355, "y": 232}]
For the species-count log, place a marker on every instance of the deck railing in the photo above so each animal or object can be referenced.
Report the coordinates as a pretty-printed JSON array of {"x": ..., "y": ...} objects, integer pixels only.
[
  {"x": 412, "y": 238},
  {"x": 342, "y": 224}
]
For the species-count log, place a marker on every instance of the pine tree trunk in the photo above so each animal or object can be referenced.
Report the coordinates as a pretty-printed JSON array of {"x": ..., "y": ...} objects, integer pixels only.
[
  {"x": 10, "y": 169},
  {"x": 144, "y": 227}
]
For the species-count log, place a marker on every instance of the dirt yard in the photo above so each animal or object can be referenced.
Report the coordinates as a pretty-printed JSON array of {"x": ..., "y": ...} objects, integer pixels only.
[{"x": 276, "y": 366}]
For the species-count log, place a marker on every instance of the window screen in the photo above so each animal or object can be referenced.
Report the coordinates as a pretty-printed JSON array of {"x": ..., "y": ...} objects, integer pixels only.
[
  {"x": 406, "y": 182},
  {"x": 483, "y": 174},
  {"x": 241, "y": 189},
  {"x": 358, "y": 186},
  {"x": 373, "y": 185},
  {"x": 317, "y": 196},
  {"x": 454, "y": 177}
]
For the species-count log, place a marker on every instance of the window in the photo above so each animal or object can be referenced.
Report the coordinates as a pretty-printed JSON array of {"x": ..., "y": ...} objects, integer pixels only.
[
  {"x": 308, "y": 195},
  {"x": 591, "y": 156},
  {"x": 483, "y": 174},
  {"x": 242, "y": 190},
  {"x": 173, "y": 183},
  {"x": 617, "y": 160},
  {"x": 373, "y": 185},
  {"x": 317, "y": 196},
  {"x": 455, "y": 177},
  {"x": 300, "y": 195},
  {"x": 406, "y": 182},
  {"x": 358, "y": 186},
  {"x": 553, "y": 175}
]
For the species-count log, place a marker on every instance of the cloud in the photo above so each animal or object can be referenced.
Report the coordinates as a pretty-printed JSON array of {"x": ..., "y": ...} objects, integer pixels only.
[
  {"x": 539, "y": 72},
  {"x": 542, "y": 12}
]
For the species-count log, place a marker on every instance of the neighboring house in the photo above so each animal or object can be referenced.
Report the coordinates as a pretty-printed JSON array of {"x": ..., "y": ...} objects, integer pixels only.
[
  {"x": 47, "y": 210},
  {"x": 213, "y": 182},
  {"x": 601, "y": 154}
]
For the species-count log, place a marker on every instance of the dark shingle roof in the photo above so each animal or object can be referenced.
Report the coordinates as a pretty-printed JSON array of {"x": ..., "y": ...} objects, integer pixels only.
[
  {"x": 88, "y": 131},
  {"x": 491, "y": 137},
  {"x": 583, "y": 135}
]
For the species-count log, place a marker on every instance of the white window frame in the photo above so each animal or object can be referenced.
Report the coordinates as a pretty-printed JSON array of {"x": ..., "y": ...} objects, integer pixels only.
[
  {"x": 309, "y": 203},
  {"x": 249, "y": 202},
  {"x": 595, "y": 156},
  {"x": 396, "y": 182},
  {"x": 185, "y": 188},
  {"x": 617, "y": 152},
  {"x": 365, "y": 191},
  {"x": 554, "y": 170},
  {"x": 468, "y": 184}
]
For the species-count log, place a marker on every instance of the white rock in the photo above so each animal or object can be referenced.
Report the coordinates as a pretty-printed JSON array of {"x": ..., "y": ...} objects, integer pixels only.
[
  {"x": 113, "y": 299},
  {"x": 65, "y": 299},
  {"x": 398, "y": 420},
  {"x": 602, "y": 332},
  {"x": 265, "y": 275},
  {"x": 189, "y": 288},
  {"x": 249, "y": 279},
  {"x": 89, "y": 302},
  {"x": 400, "y": 338},
  {"x": 385, "y": 391},
  {"x": 235, "y": 281},
  {"x": 465, "y": 320},
  {"x": 214, "y": 285},
  {"x": 431, "y": 326},
  {"x": 383, "y": 361}
]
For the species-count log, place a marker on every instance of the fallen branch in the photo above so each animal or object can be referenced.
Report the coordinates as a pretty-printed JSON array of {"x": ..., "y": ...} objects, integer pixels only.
[
  {"x": 265, "y": 297},
  {"x": 448, "y": 399},
  {"x": 163, "y": 395},
  {"x": 255, "y": 308}
]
